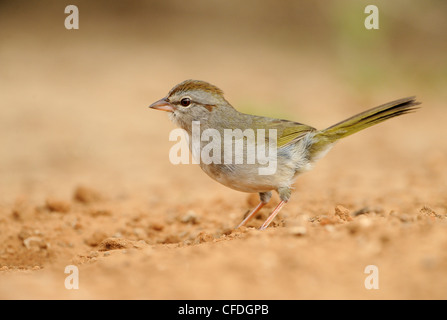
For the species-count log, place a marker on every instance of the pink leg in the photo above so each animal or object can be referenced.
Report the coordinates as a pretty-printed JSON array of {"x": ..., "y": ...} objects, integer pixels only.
[
  {"x": 251, "y": 214},
  {"x": 272, "y": 215}
]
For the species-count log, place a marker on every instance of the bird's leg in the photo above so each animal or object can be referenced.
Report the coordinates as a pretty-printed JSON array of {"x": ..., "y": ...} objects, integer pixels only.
[
  {"x": 251, "y": 214},
  {"x": 272, "y": 215},
  {"x": 265, "y": 197},
  {"x": 284, "y": 195}
]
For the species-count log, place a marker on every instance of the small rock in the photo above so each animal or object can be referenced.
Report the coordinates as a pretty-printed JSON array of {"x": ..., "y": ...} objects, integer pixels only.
[
  {"x": 140, "y": 244},
  {"x": 171, "y": 238},
  {"x": 156, "y": 226},
  {"x": 93, "y": 254},
  {"x": 365, "y": 210},
  {"x": 343, "y": 213},
  {"x": 114, "y": 244},
  {"x": 325, "y": 220},
  {"x": 428, "y": 212},
  {"x": 56, "y": 205},
  {"x": 190, "y": 217},
  {"x": 204, "y": 237},
  {"x": 35, "y": 243},
  {"x": 119, "y": 244},
  {"x": 86, "y": 195},
  {"x": 25, "y": 233},
  {"x": 404, "y": 217},
  {"x": 99, "y": 212}
]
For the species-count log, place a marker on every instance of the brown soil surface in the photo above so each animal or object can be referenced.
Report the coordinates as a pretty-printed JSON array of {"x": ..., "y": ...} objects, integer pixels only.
[{"x": 86, "y": 179}]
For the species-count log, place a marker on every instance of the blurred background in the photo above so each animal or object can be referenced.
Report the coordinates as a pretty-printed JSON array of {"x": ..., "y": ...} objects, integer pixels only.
[
  {"x": 83, "y": 160},
  {"x": 74, "y": 102}
]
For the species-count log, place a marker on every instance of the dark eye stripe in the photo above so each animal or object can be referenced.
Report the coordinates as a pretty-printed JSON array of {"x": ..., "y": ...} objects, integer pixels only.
[{"x": 185, "y": 102}]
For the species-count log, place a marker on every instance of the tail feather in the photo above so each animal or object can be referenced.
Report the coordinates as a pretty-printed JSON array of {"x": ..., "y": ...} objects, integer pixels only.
[{"x": 361, "y": 121}]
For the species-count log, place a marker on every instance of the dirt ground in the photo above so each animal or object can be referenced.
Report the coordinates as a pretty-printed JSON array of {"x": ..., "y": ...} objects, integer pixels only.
[{"x": 86, "y": 179}]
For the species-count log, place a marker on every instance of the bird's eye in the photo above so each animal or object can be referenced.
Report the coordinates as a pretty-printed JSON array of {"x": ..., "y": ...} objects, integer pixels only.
[{"x": 185, "y": 102}]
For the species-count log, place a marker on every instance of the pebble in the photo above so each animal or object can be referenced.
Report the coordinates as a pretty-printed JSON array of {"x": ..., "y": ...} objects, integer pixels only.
[
  {"x": 114, "y": 244},
  {"x": 204, "y": 237},
  {"x": 86, "y": 195},
  {"x": 93, "y": 254},
  {"x": 365, "y": 210},
  {"x": 190, "y": 217},
  {"x": 56, "y": 205},
  {"x": 343, "y": 213},
  {"x": 34, "y": 242},
  {"x": 428, "y": 212},
  {"x": 156, "y": 226},
  {"x": 326, "y": 220}
]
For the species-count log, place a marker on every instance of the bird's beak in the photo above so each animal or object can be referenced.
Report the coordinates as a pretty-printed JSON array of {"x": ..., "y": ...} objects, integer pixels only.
[{"x": 163, "y": 105}]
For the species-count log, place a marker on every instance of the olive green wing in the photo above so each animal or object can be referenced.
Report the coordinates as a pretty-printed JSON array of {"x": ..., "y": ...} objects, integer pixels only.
[{"x": 287, "y": 132}]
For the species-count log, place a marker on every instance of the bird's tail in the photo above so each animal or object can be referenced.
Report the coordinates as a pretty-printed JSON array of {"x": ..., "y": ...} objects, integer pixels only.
[{"x": 325, "y": 138}]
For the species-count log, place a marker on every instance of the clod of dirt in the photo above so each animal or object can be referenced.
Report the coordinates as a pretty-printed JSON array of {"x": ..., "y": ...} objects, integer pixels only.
[
  {"x": 325, "y": 220},
  {"x": 86, "y": 195},
  {"x": 93, "y": 254},
  {"x": 27, "y": 232},
  {"x": 169, "y": 239},
  {"x": 56, "y": 205},
  {"x": 156, "y": 226},
  {"x": 343, "y": 213},
  {"x": 204, "y": 237},
  {"x": 190, "y": 217},
  {"x": 99, "y": 212},
  {"x": 375, "y": 209},
  {"x": 427, "y": 212},
  {"x": 404, "y": 217},
  {"x": 119, "y": 243},
  {"x": 35, "y": 243}
]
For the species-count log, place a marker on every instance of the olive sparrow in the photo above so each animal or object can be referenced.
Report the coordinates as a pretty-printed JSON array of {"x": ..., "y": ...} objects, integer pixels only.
[{"x": 298, "y": 145}]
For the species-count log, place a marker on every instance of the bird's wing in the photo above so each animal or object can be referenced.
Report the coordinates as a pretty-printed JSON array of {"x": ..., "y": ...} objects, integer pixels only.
[{"x": 287, "y": 132}]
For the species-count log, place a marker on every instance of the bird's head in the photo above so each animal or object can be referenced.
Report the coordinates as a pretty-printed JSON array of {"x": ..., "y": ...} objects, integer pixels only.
[{"x": 192, "y": 100}]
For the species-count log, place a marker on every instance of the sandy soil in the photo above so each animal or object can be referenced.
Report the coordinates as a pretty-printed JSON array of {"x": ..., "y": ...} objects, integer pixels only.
[{"x": 86, "y": 181}]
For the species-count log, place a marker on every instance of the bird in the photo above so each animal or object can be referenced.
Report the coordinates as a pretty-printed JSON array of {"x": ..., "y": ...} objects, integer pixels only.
[{"x": 298, "y": 146}]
